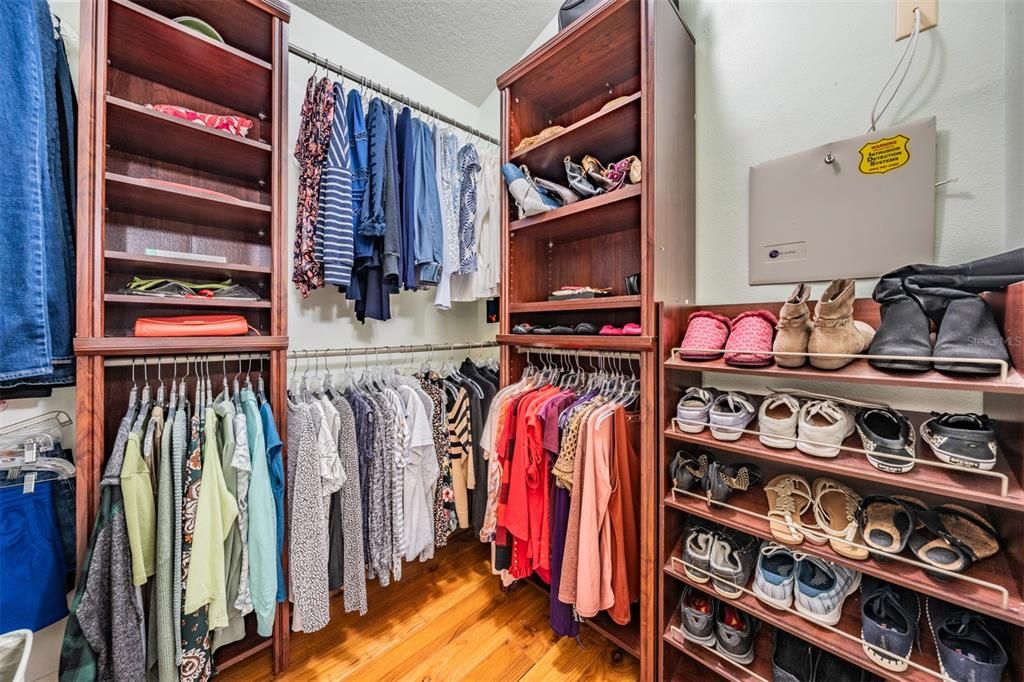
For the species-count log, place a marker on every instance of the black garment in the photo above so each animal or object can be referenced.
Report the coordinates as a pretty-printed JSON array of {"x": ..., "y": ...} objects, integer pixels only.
[
  {"x": 336, "y": 544},
  {"x": 934, "y": 286},
  {"x": 479, "y": 409}
]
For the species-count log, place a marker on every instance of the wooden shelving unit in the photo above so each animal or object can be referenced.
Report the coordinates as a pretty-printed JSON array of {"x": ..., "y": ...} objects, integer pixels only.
[
  {"x": 639, "y": 51},
  {"x": 150, "y": 180},
  {"x": 993, "y": 586}
]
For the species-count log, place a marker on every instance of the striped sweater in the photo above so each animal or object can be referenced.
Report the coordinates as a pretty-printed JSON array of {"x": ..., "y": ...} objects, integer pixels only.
[{"x": 336, "y": 218}]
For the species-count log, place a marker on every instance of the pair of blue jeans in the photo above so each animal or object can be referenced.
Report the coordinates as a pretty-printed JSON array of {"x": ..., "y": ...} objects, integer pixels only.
[{"x": 36, "y": 327}]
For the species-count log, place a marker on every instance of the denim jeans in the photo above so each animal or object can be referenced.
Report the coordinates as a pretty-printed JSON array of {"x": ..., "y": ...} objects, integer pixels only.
[
  {"x": 428, "y": 229},
  {"x": 36, "y": 328}
]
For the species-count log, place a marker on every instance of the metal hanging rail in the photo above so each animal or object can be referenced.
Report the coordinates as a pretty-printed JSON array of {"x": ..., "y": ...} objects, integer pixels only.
[
  {"x": 190, "y": 358},
  {"x": 579, "y": 353},
  {"x": 384, "y": 350},
  {"x": 387, "y": 92}
]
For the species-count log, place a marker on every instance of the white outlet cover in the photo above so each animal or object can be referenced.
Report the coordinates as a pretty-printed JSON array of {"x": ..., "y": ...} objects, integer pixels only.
[{"x": 905, "y": 16}]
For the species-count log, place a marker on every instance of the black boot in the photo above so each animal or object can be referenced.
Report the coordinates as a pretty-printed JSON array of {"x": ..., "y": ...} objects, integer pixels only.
[
  {"x": 904, "y": 332},
  {"x": 969, "y": 330}
]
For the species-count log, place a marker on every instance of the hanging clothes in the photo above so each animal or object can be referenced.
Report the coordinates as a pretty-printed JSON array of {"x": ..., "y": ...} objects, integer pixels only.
[
  {"x": 310, "y": 149},
  {"x": 446, "y": 149},
  {"x": 562, "y": 495}
]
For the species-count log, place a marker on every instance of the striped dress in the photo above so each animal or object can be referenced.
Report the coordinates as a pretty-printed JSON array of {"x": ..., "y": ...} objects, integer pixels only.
[{"x": 336, "y": 218}]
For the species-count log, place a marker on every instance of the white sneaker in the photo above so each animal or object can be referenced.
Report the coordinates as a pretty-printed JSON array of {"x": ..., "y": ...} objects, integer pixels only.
[
  {"x": 730, "y": 414},
  {"x": 777, "y": 419},
  {"x": 823, "y": 426}
]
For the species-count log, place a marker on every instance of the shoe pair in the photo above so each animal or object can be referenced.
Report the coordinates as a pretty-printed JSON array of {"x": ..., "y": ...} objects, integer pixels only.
[
  {"x": 583, "y": 328},
  {"x": 948, "y": 536},
  {"x": 834, "y": 506},
  {"x": 630, "y": 329},
  {"x": 817, "y": 427},
  {"x": 832, "y": 330},
  {"x": 722, "y": 555},
  {"x": 968, "y": 644},
  {"x": 716, "y": 479},
  {"x": 746, "y": 339},
  {"x": 816, "y": 588},
  {"x": 715, "y": 624},
  {"x": 728, "y": 414}
]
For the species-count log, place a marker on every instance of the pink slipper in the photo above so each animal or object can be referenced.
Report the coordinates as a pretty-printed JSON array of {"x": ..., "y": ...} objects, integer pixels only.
[
  {"x": 631, "y": 329},
  {"x": 705, "y": 332},
  {"x": 751, "y": 331},
  {"x": 609, "y": 330}
]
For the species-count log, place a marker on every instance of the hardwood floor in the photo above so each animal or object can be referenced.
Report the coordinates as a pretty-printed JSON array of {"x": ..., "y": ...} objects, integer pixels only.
[{"x": 447, "y": 619}]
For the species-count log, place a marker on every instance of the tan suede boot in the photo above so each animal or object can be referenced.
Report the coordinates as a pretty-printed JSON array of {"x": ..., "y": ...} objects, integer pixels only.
[
  {"x": 835, "y": 330},
  {"x": 794, "y": 328}
]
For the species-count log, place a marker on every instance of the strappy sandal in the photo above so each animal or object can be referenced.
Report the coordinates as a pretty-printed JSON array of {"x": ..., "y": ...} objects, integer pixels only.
[
  {"x": 952, "y": 537},
  {"x": 836, "y": 509},
  {"x": 686, "y": 470},
  {"x": 886, "y": 523},
  {"x": 723, "y": 479},
  {"x": 789, "y": 497}
]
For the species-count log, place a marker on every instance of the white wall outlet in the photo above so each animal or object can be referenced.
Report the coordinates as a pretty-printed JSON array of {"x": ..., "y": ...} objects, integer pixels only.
[{"x": 905, "y": 16}]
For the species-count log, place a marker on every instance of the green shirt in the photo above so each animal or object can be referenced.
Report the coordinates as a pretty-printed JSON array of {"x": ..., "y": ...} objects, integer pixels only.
[
  {"x": 215, "y": 516},
  {"x": 139, "y": 510}
]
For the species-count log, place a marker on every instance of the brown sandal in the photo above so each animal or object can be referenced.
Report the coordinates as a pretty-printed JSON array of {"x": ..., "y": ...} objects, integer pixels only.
[{"x": 953, "y": 537}]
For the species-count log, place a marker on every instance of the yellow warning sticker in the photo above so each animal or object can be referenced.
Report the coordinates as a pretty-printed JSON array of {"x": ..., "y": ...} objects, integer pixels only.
[{"x": 885, "y": 155}]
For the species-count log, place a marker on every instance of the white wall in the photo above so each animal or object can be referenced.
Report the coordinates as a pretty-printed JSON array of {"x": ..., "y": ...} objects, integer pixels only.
[
  {"x": 774, "y": 78},
  {"x": 326, "y": 319}
]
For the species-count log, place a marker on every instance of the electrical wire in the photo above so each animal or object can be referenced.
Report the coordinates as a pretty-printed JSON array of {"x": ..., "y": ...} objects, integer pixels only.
[{"x": 911, "y": 48}]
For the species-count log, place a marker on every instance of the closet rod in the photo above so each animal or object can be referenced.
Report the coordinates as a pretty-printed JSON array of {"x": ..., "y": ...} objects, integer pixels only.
[
  {"x": 594, "y": 353},
  {"x": 182, "y": 359},
  {"x": 386, "y": 91},
  {"x": 384, "y": 350}
]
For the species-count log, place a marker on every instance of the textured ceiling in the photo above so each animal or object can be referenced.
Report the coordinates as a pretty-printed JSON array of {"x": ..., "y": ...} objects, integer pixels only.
[{"x": 461, "y": 45}]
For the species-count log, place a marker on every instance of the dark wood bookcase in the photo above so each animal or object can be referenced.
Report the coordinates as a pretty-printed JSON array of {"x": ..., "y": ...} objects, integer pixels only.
[
  {"x": 999, "y": 496},
  {"x": 639, "y": 51},
  {"x": 150, "y": 180}
]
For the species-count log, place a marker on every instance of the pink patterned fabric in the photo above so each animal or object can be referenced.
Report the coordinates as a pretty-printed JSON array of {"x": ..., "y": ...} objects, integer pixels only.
[
  {"x": 704, "y": 330},
  {"x": 236, "y": 125},
  {"x": 751, "y": 331}
]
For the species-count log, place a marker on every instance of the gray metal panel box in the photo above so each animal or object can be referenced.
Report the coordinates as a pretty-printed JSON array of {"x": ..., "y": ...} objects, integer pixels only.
[{"x": 858, "y": 207}]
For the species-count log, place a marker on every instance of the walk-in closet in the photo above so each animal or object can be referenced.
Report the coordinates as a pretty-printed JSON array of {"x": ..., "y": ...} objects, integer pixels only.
[{"x": 511, "y": 340}]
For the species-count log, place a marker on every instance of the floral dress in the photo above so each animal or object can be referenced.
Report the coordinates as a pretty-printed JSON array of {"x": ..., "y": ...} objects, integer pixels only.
[
  {"x": 310, "y": 149},
  {"x": 197, "y": 658}
]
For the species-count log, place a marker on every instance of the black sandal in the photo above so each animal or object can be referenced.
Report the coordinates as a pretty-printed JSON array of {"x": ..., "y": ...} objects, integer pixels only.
[
  {"x": 886, "y": 523},
  {"x": 723, "y": 479},
  {"x": 686, "y": 470},
  {"x": 953, "y": 537}
]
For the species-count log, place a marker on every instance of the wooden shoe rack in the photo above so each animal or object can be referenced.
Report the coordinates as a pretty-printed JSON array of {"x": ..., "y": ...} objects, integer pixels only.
[
  {"x": 993, "y": 586},
  {"x": 639, "y": 54},
  {"x": 151, "y": 180}
]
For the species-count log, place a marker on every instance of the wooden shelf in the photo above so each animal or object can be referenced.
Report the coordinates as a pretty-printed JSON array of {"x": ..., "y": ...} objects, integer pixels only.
[
  {"x": 579, "y": 342},
  {"x": 994, "y": 570},
  {"x": 717, "y": 665},
  {"x": 600, "y": 215},
  {"x": 159, "y": 345},
  {"x": 136, "y": 129},
  {"x": 808, "y": 631},
  {"x": 183, "y": 204},
  {"x": 132, "y": 263},
  {"x": 626, "y": 637},
  {"x": 609, "y": 135},
  {"x": 604, "y": 303},
  {"x": 152, "y": 46},
  {"x": 130, "y": 299},
  {"x": 860, "y": 372},
  {"x": 963, "y": 485}
]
